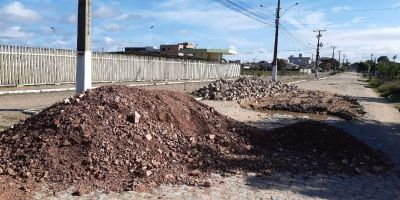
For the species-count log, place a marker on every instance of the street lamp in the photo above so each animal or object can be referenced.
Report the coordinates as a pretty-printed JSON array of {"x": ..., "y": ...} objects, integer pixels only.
[
  {"x": 287, "y": 9},
  {"x": 151, "y": 35},
  {"x": 54, "y": 34}
]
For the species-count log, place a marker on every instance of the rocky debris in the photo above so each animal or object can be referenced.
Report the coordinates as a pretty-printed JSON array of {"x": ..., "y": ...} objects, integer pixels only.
[
  {"x": 99, "y": 142},
  {"x": 315, "y": 102},
  {"x": 243, "y": 88},
  {"x": 257, "y": 94}
]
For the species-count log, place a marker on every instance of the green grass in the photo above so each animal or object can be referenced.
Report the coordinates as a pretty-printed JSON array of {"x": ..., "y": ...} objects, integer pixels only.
[{"x": 388, "y": 89}]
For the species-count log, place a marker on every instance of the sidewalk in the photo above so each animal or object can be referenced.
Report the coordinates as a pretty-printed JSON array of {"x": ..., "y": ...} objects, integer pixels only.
[{"x": 71, "y": 87}]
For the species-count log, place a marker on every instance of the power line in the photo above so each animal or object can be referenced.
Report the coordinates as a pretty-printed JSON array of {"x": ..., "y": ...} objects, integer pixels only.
[
  {"x": 257, "y": 8},
  {"x": 351, "y": 10},
  {"x": 293, "y": 37},
  {"x": 241, "y": 10}
]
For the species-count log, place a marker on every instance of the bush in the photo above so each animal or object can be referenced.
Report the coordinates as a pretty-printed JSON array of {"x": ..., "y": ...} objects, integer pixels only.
[{"x": 390, "y": 88}]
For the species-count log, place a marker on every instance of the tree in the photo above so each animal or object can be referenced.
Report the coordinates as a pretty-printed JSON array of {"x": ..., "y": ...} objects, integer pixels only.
[
  {"x": 394, "y": 58},
  {"x": 362, "y": 67},
  {"x": 281, "y": 64},
  {"x": 372, "y": 65},
  {"x": 383, "y": 59},
  {"x": 328, "y": 64}
]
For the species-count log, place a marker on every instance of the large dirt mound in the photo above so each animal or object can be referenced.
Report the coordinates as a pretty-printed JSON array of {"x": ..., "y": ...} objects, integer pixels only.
[
  {"x": 243, "y": 88},
  {"x": 315, "y": 102},
  {"x": 119, "y": 138}
]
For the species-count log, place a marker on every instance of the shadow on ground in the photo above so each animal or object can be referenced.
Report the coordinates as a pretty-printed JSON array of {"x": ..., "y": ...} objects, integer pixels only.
[{"x": 380, "y": 136}]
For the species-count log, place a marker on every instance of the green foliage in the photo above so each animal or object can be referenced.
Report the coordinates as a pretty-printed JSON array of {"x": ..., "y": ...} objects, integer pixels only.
[
  {"x": 388, "y": 70},
  {"x": 383, "y": 59},
  {"x": 281, "y": 64},
  {"x": 329, "y": 64},
  {"x": 362, "y": 67},
  {"x": 389, "y": 88}
]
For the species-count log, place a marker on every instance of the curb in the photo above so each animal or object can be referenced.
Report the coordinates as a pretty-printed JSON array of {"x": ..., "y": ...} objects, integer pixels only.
[{"x": 73, "y": 89}]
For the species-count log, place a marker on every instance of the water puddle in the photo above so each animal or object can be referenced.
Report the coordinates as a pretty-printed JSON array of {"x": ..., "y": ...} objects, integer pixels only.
[
  {"x": 277, "y": 119},
  {"x": 309, "y": 116}
]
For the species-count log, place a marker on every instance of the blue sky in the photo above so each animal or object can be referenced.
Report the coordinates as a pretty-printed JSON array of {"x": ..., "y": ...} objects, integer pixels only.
[{"x": 117, "y": 24}]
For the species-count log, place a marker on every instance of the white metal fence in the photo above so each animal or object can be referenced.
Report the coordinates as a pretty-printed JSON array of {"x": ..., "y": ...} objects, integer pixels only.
[{"x": 35, "y": 66}]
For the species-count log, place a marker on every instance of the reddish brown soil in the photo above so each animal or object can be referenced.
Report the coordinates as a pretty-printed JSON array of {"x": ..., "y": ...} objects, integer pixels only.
[
  {"x": 304, "y": 101},
  {"x": 119, "y": 138}
]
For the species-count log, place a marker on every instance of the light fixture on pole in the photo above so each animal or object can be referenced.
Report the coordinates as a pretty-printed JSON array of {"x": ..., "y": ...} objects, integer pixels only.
[
  {"x": 54, "y": 34},
  {"x": 151, "y": 35}
]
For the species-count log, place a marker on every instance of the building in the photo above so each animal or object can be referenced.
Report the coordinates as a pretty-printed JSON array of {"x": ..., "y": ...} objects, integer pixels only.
[
  {"x": 302, "y": 62},
  {"x": 142, "y": 50},
  {"x": 174, "y": 49},
  {"x": 208, "y": 54}
]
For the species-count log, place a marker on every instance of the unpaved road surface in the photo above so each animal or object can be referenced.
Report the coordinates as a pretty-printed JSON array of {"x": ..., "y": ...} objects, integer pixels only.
[{"x": 380, "y": 129}]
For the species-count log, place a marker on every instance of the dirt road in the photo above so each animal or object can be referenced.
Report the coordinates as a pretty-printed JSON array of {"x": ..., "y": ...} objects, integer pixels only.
[{"x": 380, "y": 129}]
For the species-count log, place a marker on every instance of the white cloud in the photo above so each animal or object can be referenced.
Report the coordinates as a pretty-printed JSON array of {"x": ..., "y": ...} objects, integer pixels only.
[
  {"x": 16, "y": 11},
  {"x": 340, "y": 8},
  {"x": 315, "y": 18},
  {"x": 112, "y": 27},
  {"x": 107, "y": 12},
  {"x": 72, "y": 19},
  {"x": 108, "y": 40},
  {"x": 360, "y": 43},
  {"x": 14, "y": 32}
]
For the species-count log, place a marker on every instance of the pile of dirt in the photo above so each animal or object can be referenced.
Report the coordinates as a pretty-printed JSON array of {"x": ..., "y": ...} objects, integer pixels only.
[
  {"x": 318, "y": 147},
  {"x": 243, "y": 88},
  {"x": 119, "y": 138},
  {"x": 315, "y": 102}
]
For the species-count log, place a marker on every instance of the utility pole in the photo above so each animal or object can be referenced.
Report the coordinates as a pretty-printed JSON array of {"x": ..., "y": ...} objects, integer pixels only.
[
  {"x": 84, "y": 53},
  {"x": 318, "y": 46},
  {"x": 333, "y": 57},
  {"x": 344, "y": 58},
  {"x": 275, "y": 60},
  {"x": 333, "y": 52},
  {"x": 340, "y": 52},
  {"x": 372, "y": 56}
]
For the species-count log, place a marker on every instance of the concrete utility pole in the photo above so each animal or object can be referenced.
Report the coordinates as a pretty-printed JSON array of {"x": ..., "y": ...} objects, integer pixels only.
[
  {"x": 372, "y": 57},
  {"x": 333, "y": 52},
  {"x": 340, "y": 52},
  {"x": 84, "y": 53},
  {"x": 333, "y": 57},
  {"x": 344, "y": 58},
  {"x": 318, "y": 46},
  {"x": 275, "y": 60}
]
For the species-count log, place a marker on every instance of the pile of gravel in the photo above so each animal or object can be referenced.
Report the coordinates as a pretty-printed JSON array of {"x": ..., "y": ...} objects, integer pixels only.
[{"x": 243, "y": 88}]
